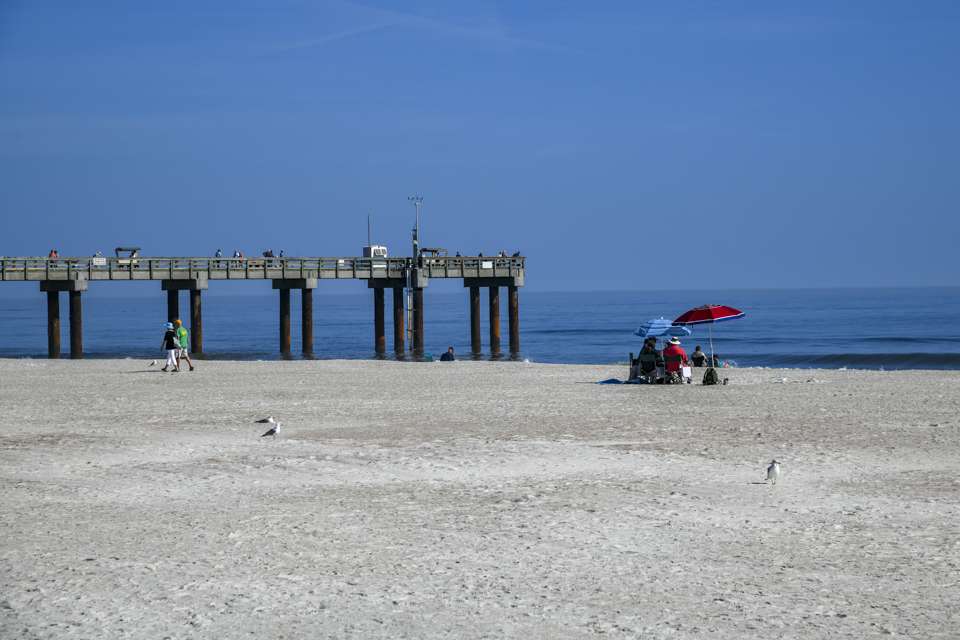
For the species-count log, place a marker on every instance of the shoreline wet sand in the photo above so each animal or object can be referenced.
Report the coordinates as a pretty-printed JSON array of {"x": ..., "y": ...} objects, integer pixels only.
[{"x": 474, "y": 499}]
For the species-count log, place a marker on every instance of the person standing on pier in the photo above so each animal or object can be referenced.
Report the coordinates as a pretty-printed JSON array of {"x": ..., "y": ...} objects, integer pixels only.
[
  {"x": 183, "y": 338},
  {"x": 171, "y": 346}
]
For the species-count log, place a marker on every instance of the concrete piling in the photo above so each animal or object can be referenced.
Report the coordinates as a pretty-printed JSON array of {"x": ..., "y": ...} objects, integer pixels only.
[
  {"x": 173, "y": 304},
  {"x": 53, "y": 324},
  {"x": 379, "y": 326},
  {"x": 76, "y": 325},
  {"x": 74, "y": 288},
  {"x": 475, "y": 346},
  {"x": 418, "y": 321},
  {"x": 494, "y": 321},
  {"x": 306, "y": 321},
  {"x": 398, "y": 321},
  {"x": 285, "y": 322},
  {"x": 513, "y": 315},
  {"x": 306, "y": 285},
  {"x": 194, "y": 285},
  {"x": 196, "y": 323}
]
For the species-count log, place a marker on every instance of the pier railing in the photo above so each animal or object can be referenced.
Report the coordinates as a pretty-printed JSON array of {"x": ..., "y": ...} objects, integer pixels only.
[{"x": 173, "y": 268}]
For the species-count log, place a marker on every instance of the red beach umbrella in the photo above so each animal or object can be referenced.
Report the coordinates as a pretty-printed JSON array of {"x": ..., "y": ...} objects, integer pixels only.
[{"x": 709, "y": 313}]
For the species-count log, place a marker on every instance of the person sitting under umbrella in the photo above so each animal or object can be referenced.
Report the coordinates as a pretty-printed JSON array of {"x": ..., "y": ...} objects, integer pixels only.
[
  {"x": 649, "y": 360},
  {"x": 698, "y": 357},
  {"x": 674, "y": 357}
]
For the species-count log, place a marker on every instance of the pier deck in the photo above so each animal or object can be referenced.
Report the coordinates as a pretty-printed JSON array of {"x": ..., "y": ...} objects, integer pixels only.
[
  {"x": 194, "y": 274},
  {"x": 151, "y": 268}
]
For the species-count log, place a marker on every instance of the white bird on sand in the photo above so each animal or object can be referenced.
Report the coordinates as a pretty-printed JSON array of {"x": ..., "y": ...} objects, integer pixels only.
[
  {"x": 773, "y": 472},
  {"x": 152, "y": 362},
  {"x": 267, "y": 420},
  {"x": 272, "y": 432}
]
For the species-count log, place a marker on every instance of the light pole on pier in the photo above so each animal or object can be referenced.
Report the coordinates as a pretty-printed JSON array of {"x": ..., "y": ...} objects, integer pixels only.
[
  {"x": 418, "y": 205},
  {"x": 417, "y": 201}
]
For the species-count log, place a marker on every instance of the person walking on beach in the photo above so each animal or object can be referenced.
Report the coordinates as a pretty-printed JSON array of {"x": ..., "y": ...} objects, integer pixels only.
[
  {"x": 171, "y": 346},
  {"x": 183, "y": 339}
]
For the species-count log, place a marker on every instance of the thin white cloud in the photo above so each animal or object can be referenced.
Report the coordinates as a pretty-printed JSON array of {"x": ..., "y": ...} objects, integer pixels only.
[
  {"x": 494, "y": 33},
  {"x": 333, "y": 37}
]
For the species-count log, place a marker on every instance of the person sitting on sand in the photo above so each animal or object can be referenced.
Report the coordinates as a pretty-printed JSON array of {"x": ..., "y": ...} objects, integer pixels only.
[
  {"x": 674, "y": 357},
  {"x": 698, "y": 357},
  {"x": 650, "y": 360},
  {"x": 171, "y": 345},
  {"x": 448, "y": 356}
]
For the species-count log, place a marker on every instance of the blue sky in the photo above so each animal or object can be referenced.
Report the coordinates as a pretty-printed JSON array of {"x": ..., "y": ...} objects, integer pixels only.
[{"x": 627, "y": 145}]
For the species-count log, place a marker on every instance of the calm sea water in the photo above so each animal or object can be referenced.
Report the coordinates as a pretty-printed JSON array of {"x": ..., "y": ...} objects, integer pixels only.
[{"x": 856, "y": 328}]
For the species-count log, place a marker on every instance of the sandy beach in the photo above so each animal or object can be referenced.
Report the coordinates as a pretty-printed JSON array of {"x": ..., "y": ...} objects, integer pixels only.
[{"x": 474, "y": 500}]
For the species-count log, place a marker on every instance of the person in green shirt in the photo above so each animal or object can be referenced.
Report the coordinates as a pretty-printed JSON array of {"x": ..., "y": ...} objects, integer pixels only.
[{"x": 184, "y": 337}]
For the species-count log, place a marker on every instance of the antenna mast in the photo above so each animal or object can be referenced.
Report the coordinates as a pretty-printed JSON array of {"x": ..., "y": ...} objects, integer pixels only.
[{"x": 417, "y": 203}]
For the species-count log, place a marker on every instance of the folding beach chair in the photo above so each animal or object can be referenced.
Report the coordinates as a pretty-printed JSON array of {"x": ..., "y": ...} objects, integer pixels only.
[
  {"x": 674, "y": 376},
  {"x": 647, "y": 364}
]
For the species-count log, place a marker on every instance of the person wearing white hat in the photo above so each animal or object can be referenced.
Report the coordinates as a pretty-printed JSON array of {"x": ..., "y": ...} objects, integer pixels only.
[
  {"x": 171, "y": 345},
  {"x": 674, "y": 357}
]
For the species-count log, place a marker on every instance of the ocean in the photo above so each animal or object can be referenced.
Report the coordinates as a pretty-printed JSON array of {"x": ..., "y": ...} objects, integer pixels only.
[{"x": 854, "y": 328}]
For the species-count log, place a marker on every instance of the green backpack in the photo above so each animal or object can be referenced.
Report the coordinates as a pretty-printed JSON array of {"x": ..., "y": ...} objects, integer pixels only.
[{"x": 711, "y": 376}]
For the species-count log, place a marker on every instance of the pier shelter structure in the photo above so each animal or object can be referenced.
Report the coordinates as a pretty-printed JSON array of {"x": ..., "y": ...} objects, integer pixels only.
[{"x": 194, "y": 275}]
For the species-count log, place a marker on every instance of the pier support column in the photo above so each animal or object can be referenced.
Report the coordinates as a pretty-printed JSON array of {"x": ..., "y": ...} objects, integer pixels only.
[
  {"x": 494, "y": 321},
  {"x": 306, "y": 285},
  {"x": 306, "y": 321},
  {"x": 418, "y": 321},
  {"x": 74, "y": 288},
  {"x": 493, "y": 284},
  {"x": 194, "y": 285},
  {"x": 398, "y": 321},
  {"x": 513, "y": 313},
  {"x": 379, "y": 329},
  {"x": 285, "y": 322},
  {"x": 76, "y": 326},
  {"x": 53, "y": 324},
  {"x": 475, "y": 346},
  {"x": 173, "y": 304},
  {"x": 196, "y": 323}
]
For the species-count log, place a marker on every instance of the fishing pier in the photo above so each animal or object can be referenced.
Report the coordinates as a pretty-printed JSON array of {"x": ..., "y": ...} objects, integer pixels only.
[{"x": 407, "y": 278}]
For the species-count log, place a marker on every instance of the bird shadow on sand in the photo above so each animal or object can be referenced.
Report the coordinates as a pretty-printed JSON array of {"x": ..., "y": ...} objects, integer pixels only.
[
  {"x": 758, "y": 483},
  {"x": 154, "y": 371}
]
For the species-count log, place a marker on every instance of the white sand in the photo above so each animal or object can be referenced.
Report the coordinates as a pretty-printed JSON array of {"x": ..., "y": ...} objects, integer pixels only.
[{"x": 474, "y": 500}]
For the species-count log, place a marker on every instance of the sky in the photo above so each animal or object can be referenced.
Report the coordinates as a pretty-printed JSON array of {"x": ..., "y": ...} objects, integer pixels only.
[{"x": 617, "y": 145}]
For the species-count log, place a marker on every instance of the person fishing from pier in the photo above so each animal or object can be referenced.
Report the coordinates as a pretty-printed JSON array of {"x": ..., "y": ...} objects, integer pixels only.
[
  {"x": 183, "y": 339},
  {"x": 170, "y": 345}
]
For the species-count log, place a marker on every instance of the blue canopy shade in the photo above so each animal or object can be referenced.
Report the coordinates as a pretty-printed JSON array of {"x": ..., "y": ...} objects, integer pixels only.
[{"x": 656, "y": 327}]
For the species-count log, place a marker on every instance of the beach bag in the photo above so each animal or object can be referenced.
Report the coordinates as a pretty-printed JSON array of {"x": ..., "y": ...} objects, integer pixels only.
[{"x": 711, "y": 376}]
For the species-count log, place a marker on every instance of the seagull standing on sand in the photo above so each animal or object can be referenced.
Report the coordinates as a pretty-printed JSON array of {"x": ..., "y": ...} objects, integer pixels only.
[
  {"x": 773, "y": 472},
  {"x": 272, "y": 432},
  {"x": 267, "y": 420}
]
